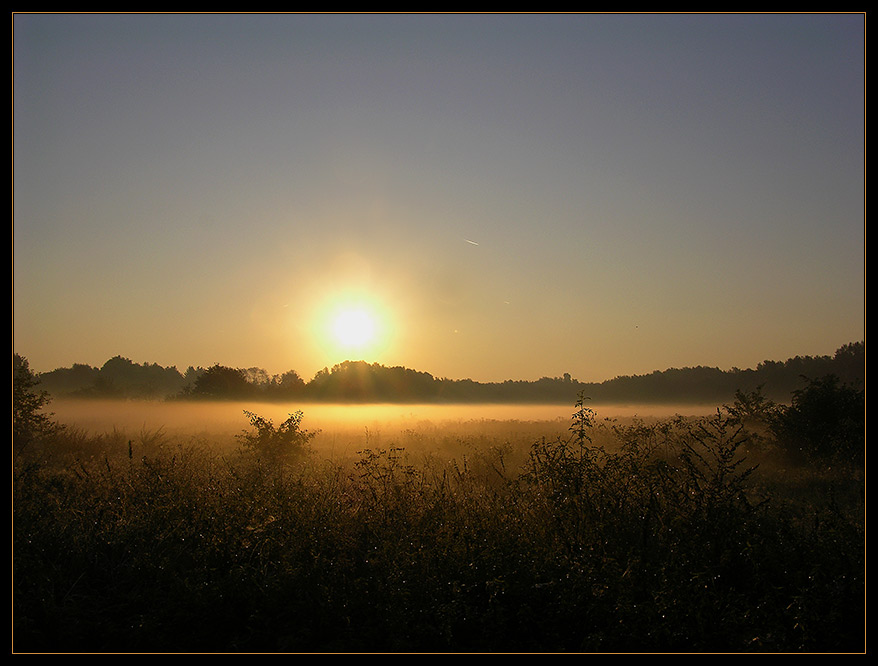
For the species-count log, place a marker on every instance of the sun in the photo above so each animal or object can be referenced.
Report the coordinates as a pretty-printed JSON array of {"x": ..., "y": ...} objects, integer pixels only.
[{"x": 353, "y": 327}]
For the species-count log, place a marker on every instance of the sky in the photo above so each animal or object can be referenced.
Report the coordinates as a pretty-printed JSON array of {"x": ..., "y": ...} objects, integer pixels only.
[{"x": 494, "y": 196}]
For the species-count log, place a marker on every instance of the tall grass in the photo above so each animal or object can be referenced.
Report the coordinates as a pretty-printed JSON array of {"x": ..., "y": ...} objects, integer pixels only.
[{"x": 625, "y": 536}]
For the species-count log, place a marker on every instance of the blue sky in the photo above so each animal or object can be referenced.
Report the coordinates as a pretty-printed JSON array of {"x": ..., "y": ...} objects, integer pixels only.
[{"x": 513, "y": 196}]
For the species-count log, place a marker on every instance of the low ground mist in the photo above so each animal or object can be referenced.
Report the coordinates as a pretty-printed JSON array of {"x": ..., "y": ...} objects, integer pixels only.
[{"x": 345, "y": 429}]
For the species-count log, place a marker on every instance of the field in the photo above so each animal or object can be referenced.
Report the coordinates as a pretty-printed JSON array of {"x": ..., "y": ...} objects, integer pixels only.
[{"x": 144, "y": 527}]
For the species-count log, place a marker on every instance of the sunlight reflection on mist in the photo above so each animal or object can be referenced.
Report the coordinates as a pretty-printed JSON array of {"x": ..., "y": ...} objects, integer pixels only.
[{"x": 227, "y": 417}]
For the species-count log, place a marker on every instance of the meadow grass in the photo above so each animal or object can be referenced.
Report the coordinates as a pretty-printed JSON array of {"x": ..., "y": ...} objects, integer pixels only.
[{"x": 676, "y": 535}]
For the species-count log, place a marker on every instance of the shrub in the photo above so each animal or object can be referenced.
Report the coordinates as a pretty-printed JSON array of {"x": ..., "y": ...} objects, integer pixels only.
[
  {"x": 287, "y": 440},
  {"x": 826, "y": 422}
]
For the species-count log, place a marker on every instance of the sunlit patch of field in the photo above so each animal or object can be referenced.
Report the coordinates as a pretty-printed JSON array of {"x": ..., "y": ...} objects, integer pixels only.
[{"x": 344, "y": 430}]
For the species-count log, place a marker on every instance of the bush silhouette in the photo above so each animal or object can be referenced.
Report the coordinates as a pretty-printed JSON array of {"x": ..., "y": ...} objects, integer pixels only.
[
  {"x": 826, "y": 421},
  {"x": 287, "y": 440}
]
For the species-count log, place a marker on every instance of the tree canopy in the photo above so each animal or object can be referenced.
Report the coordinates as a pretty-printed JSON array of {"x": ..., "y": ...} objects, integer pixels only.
[{"x": 359, "y": 381}]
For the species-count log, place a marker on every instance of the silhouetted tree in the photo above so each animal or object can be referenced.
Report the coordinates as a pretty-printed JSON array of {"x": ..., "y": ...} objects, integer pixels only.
[
  {"x": 826, "y": 421},
  {"x": 285, "y": 386},
  {"x": 257, "y": 376},
  {"x": 849, "y": 364},
  {"x": 223, "y": 383},
  {"x": 360, "y": 381},
  {"x": 63, "y": 381},
  {"x": 121, "y": 377},
  {"x": 28, "y": 419}
]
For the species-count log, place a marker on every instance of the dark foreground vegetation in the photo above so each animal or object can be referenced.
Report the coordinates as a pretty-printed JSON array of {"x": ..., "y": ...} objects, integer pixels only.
[{"x": 741, "y": 532}]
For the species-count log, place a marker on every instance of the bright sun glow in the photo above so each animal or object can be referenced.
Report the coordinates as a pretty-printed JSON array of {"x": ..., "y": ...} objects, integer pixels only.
[{"x": 354, "y": 327}]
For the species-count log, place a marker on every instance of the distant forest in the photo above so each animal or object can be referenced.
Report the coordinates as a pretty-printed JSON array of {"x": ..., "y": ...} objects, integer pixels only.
[{"x": 361, "y": 382}]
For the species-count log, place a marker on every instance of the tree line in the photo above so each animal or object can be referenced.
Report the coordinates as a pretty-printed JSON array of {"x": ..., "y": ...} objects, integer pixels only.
[{"x": 359, "y": 381}]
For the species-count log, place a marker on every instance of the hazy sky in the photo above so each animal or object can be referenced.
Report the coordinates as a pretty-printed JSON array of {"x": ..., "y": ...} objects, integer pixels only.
[{"x": 509, "y": 196}]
